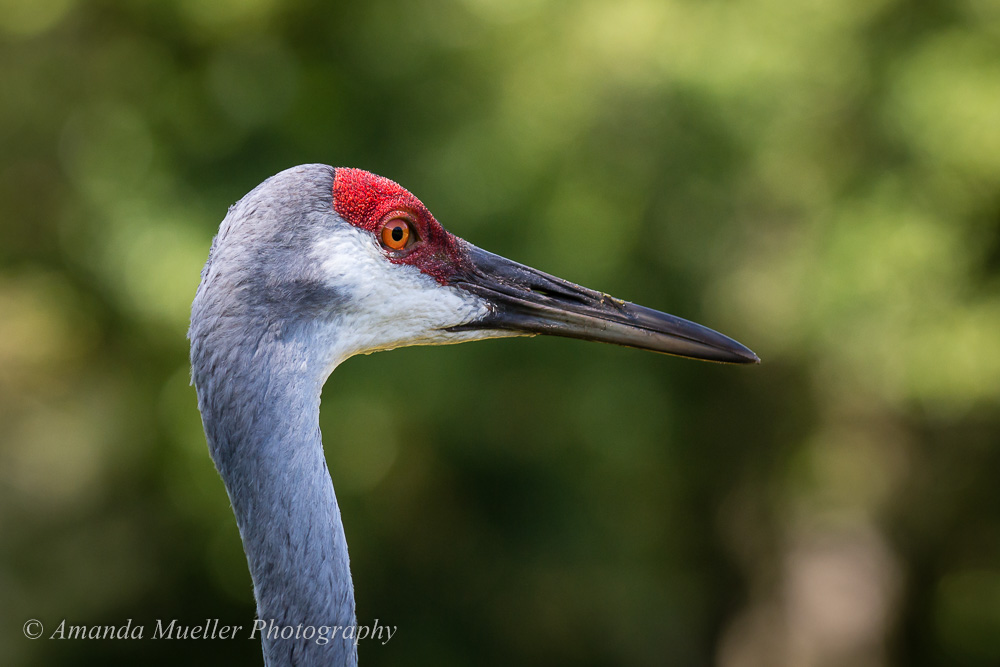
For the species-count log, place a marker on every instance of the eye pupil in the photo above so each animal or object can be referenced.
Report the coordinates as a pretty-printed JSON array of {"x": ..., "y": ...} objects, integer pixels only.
[{"x": 397, "y": 233}]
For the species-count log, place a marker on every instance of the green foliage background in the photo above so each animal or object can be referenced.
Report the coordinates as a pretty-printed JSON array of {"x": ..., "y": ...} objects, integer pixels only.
[{"x": 820, "y": 180}]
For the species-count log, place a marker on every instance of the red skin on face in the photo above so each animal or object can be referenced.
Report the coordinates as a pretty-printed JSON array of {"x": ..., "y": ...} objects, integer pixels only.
[{"x": 368, "y": 201}]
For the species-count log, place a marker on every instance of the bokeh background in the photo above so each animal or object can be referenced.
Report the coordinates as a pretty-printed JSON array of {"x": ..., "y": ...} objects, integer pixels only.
[{"x": 820, "y": 180}]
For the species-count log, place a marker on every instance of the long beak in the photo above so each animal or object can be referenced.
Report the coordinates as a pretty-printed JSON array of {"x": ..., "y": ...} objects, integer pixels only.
[{"x": 525, "y": 300}]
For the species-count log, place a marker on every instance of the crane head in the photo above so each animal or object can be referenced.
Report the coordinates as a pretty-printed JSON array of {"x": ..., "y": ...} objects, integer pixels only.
[{"x": 362, "y": 264}]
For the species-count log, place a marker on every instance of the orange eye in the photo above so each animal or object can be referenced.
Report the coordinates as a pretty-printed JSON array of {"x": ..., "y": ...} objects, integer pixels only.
[{"x": 396, "y": 234}]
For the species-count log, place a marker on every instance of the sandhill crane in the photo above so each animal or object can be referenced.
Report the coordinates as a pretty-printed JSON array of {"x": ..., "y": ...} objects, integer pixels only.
[{"x": 313, "y": 266}]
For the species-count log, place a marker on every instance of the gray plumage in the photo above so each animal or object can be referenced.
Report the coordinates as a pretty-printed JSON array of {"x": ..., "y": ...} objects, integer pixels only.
[
  {"x": 290, "y": 289},
  {"x": 259, "y": 382}
]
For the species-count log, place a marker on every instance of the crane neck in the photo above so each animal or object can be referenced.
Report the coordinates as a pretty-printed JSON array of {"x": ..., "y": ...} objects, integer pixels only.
[{"x": 261, "y": 419}]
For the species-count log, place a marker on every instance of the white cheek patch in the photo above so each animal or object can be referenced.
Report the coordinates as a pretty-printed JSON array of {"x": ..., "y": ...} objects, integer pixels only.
[{"x": 388, "y": 305}]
